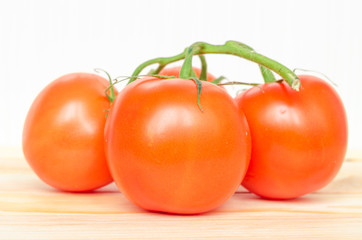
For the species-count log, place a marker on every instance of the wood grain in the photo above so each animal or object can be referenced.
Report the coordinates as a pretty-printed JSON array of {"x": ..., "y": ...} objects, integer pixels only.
[{"x": 29, "y": 209}]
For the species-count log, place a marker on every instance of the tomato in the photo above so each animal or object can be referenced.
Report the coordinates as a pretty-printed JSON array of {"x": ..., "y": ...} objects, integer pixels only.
[
  {"x": 63, "y": 135},
  {"x": 167, "y": 155},
  {"x": 299, "y": 139},
  {"x": 175, "y": 71}
]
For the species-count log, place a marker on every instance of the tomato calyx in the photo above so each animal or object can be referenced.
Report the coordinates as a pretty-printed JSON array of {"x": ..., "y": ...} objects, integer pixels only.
[
  {"x": 218, "y": 80},
  {"x": 109, "y": 90}
]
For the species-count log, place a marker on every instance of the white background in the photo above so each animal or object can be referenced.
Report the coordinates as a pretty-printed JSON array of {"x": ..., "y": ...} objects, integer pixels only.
[{"x": 42, "y": 40}]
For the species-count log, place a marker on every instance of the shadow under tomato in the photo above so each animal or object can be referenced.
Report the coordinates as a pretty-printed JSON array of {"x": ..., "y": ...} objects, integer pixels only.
[
  {"x": 110, "y": 188},
  {"x": 305, "y": 199}
]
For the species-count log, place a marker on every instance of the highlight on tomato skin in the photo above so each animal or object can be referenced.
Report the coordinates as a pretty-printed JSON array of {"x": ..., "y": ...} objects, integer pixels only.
[
  {"x": 299, "y": 139},
  {"x": 63, "y": 135},
  {"x": 166, "y": 155}
]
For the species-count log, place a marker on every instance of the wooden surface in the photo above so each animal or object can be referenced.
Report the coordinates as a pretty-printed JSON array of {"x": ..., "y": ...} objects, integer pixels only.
[{"x": 29, "y": 209}]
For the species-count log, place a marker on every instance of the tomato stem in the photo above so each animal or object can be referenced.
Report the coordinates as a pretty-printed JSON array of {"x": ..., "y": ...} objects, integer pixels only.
[
  {"x": 239, "y": 83},
  {"x": 265, "y": 72},
  {"x": 162, "y": 62},
  {"x": 233, "y": 48},
  {"x": 186, "y": 69},
  {"x": 203, "y": 74},
  {"x": 238, "y": 49},
  {"x": 187, "y": 72}
]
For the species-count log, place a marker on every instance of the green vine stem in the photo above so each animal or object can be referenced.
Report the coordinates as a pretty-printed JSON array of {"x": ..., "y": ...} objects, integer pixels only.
[
  {"x": 187, "y": 72},
  {"x": 203, "y": 74},
  {"x": 265, "y": 72},
  {"x": 186, "y": 69},
  {"x": 233, "y": 48},
  {"x": 162, "y": 62}
]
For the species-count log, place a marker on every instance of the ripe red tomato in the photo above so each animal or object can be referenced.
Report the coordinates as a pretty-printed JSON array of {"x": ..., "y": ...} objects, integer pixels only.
[
  {"x": 299, "y": 139},
  {"x": 63, "y": 136},
  {"x": 175, "y": 71},
  {"x": 166, "y": 155}
]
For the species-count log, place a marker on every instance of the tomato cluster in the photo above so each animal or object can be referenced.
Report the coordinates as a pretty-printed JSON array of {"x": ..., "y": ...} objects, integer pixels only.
[{"x": 184, "y": 146}]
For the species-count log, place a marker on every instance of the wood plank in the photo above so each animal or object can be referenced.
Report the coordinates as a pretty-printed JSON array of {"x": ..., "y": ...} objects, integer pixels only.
[
  {"x": 29, "y": 209},
  {"x": 215, "y": 225}
]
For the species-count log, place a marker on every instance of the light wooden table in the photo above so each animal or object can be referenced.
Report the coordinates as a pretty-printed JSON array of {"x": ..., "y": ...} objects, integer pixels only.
[{"x": 29, "y": 209}]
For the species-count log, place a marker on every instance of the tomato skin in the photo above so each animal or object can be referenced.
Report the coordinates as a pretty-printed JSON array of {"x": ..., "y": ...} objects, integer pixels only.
[
  {"x": 63, "y": 135},
  {"x": 175, "y": 71},
  {"x": 166, "y": 155},
  {"x": 299, "y": 139}
]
